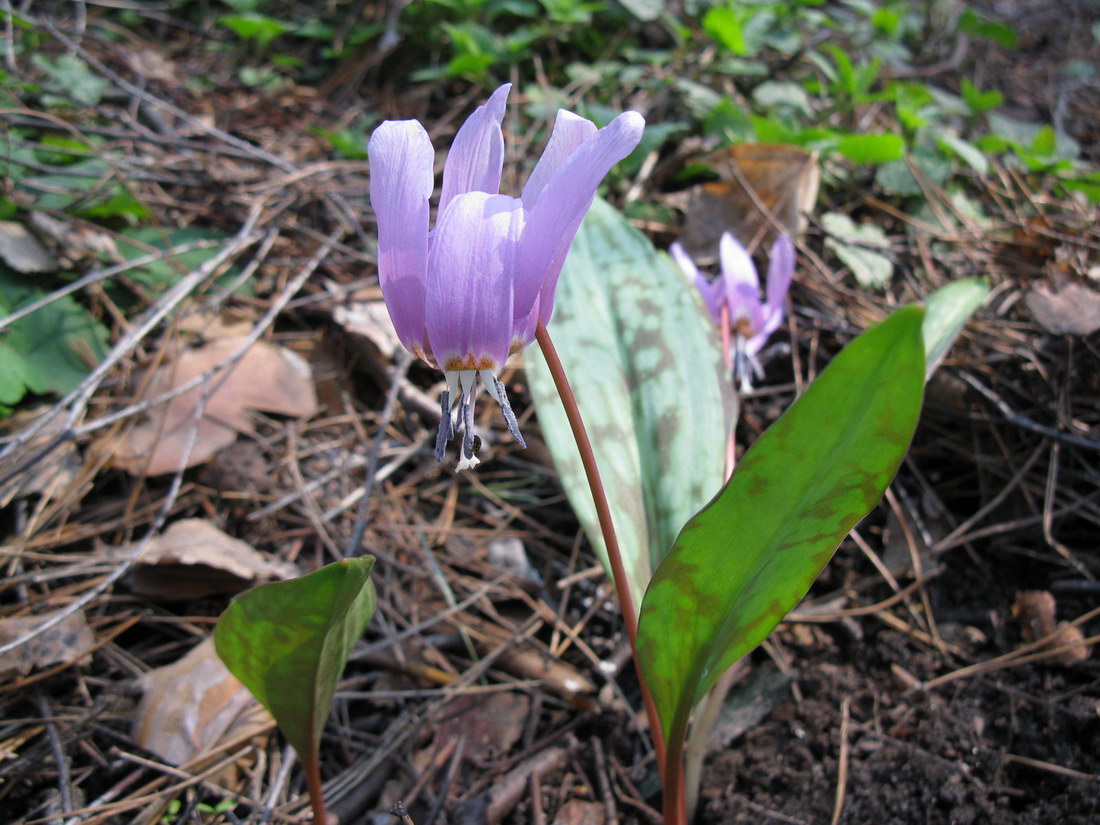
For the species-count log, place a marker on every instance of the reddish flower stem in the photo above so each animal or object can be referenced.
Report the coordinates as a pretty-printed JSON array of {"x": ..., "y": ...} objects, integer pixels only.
[
  {"x": 316, "y": 789},
  {"x": 603, "y": 512},
  {"x": 727, "y": 347}
]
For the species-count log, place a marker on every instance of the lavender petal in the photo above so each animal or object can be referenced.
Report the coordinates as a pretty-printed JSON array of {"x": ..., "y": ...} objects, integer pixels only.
[
  {"x": 477, "y": 153},
  {"x": 556, "y": 215},
  {"x": 401, "y": 182},
  {"x": 468, "y": 310}
]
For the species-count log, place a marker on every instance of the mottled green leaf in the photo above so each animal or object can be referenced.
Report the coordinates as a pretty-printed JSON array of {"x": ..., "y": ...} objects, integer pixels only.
[
  {"x": 644, "y": 362},
  {"x": 853, "y": 244},
  {"x": 288, "y": 642},
  {"x": 947, "y": 309},
  {"x": 752, "y": 553}
]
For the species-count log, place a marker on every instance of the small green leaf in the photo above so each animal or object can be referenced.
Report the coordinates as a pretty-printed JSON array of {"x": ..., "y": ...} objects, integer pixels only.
[
  {"x": 70, "y": 75},
  {"x": 722, "y": 24},
  {"x": 980, "y": 102},
  {"x": 642, "y": 356},
  {"x": 970, "y": 22},
  {"x": 750, "y": 555},
  {"x": 254, "y": 26},
  {"x": 59, "y": 343},
  {"x": 1044, "y": 142},
  {"x": 850, "y": 241},
  {"x": 780, "y": 94},
  {"x": 14, "y": 375},
  {"x": 871, "y": 148},
  {"x": 644, "y": 10},
  {"x": 288, "y": 643},
  {"x": 970, "y": 154}
]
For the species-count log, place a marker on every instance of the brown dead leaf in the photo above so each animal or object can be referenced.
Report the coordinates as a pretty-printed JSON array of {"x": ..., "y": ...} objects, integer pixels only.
[
  {"x": 193, "y": 559},
  {"x": 491, "y": 726},
  {"x": 1035, "y": 611},
  {"x": 22, "y": 251},
  {"x": 1072, "y": 310},
  {"x": 70, "y": 641},
  {"x": 267, "y": 378},
  {"x": 371, "y": 320},
  {"x": 578, "y": 812},
  {"x": 48, "y": 476},
  {"x": 758, "y": 182},
  {"x": 189, "y": 707}
]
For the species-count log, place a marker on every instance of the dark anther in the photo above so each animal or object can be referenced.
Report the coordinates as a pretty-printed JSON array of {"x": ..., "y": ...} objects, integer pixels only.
[
  {"x": 509, "y": 416},
  {"x": 445, "y": 433},
  {"x": 468, "y": 427}
]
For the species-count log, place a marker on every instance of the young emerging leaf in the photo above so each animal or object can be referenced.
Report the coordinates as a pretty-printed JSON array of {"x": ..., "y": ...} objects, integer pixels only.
[
  {"x": 753, "y": 552},
  {"x": 288, "y": 643}
]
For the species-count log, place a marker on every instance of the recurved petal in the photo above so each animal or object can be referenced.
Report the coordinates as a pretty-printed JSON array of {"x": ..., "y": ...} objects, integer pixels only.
[
  {"x": 780, "y": 271},
  {"x": 570, "y": 131},
  {"x": 401, "y": 182},
  {"x": 470, "y": 270},
  {"x": 737, "y": 266},
  {"x": 477, "y": 154},
  {"x": 553, "y": 221},
  {"x": 684, "y": 261}
]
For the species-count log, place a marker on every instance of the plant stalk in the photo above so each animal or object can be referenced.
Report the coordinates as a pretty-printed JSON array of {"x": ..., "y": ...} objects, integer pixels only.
[
  {"x": 603, "y": 513},
  {"x": 727, "y": 352},
  {"x": 316, "y": 789}
]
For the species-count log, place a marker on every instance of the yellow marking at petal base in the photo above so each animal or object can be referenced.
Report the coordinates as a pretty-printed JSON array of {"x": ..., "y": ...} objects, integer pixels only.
[{"x": 470, "y": 362}]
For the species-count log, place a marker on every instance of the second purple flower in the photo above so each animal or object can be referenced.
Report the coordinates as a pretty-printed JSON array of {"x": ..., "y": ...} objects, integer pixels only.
[
  {"x": 733, "y": 298},
  {"x": 469, "y": 293}
]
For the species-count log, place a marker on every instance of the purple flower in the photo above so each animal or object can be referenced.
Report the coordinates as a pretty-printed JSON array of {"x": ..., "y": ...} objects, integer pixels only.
[
  {"x": 735, "y": 294},
  {"x": 469, "y": 293}
]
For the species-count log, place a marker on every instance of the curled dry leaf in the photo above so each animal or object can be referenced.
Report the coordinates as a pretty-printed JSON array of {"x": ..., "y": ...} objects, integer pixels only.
[
  {"x": 1073, "y": 310},
  {"x": 191, "y": 706},
  {"x": 760, "y": 186},
  {"x": 370, "y": 319},
  {"x": 71, "y": 641},
  {"x": 578, "y": 812},
  {"x": 22, "y": 251},
  {"x": 193, "y": 559},
  {"x": 490, "y": 725},
  {"x": 48, "y": 475},
  {"x": 1035, "y": 611},
  {"x": 266, "y": 378}
]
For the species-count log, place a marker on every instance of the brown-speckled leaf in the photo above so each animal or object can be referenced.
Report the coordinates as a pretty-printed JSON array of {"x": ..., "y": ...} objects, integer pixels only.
[
  {"x": 288, "y": 643},
  {"x": 646, "y": 368},
  {"x": 747, "y": 558}
]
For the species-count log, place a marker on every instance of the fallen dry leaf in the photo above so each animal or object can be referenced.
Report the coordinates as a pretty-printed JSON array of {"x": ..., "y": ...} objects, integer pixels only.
[
  {"x": 1072, "y": 310},
  {"x": 193, "y": 559},
  {"x": 267, "y": 378},
  {"x": 370, "y": 319},
  {"x": 70, "y": 641},
  {"x": 53, "y": 473},
  {"x": 578, "y": 812},
  {"x": 755, "y": 179},
  {"x": 22, "y": 251},
  {"x": 1035, "y": 611},
  {"x": 190, "y": 706},
  {"x": 490, "y": 725}
]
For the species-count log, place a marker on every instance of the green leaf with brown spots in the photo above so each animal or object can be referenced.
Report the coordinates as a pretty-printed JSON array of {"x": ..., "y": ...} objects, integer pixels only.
[
  {"x": 288, "y": 643},
  {"x": 749, "y": 556},
  {"x": 645, "y": 365}
]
